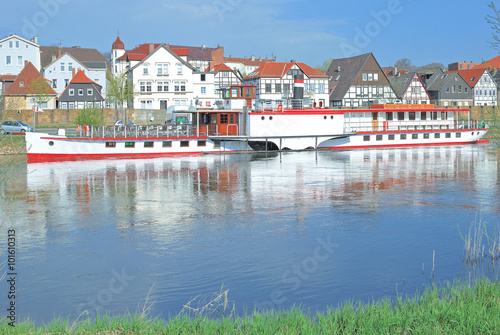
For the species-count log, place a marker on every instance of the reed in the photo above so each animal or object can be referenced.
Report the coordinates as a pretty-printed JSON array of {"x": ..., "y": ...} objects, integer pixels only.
[
  {"x": 479, "y": 245},
  {"x": 450, "y": 309}
]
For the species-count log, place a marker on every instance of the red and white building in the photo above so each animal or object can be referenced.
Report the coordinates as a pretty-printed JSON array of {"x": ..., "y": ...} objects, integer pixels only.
[{"x": 482, "y": 84}]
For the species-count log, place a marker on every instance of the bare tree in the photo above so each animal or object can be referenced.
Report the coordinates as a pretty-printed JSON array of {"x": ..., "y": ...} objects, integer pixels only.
[
  {"x": 326, "y": 64},
  {"x": 404, "y": 64},
  {"x": 494, "y": 21}
]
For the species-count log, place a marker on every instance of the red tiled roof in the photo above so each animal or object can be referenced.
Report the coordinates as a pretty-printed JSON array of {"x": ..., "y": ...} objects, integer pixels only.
[
  {"x": 23, "y": 83},
  {"x": 493, "y": 63},
  {"x": 248, "y": 61},
  {"x": 134, "y": 56},
  {"x": 118, "y": 44},
  {"x": 180, "y": 51},
  {"x": 279, "y": 69},
  {"x": 81, "y": 78},
  {"x": 222, "y": 67},
  {"x": 470, "y": 76},
  {"x": 8, "y": 77}
]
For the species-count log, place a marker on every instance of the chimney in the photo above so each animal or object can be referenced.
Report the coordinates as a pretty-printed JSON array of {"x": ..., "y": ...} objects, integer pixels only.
[
  {"x": 276, "y": 59},
  {"x": 53, "y": 57},
  {"x": 298, "y": 90},
  {"x": 292, "y": 61},
  {"x": 35, "y": 40},
  {"x": 73, "y": 72},
  {"x": 58, "y": 53},
  {"x": 338, "y": 68},
  {"x": 151, "y": 47},
  {"x": 395, "y": 71},
  {"x": 252, "y": 58}
]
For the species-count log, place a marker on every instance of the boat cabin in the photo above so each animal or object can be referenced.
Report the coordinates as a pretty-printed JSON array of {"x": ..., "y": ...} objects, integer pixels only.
[{"x": 217, "y": 122}]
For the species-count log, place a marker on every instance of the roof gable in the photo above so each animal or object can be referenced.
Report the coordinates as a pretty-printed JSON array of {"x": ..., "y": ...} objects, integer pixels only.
[
  {"x": 167, "y": 49},
  {"x": 25, "y": 83},
  {"x": 343, "y": 72},
  {"x": 14, "y": 36},
  {"x": 471, "y": 76},
  {"x": 83, "y": 55}
]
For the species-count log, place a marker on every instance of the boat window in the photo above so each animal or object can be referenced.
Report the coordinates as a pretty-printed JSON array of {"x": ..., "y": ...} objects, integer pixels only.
[
  {"x": 458, "y": 135},
  {"x": 423, "y": 115},
  {"x": 391, "y": 137},
  {"x": 148, "y": 144},
  {"x": 412, "y": 115},
  {"x": 426, "y": 135},
  {"x": 401, "y": 115},
  {"x": 184, "y": 143},
  {"x": 129, "y": 144},
  {"x": 402, "y": 137},
  {"x": 388, "y": 116},
  {"x": 167, "y": 143},
  {"x": 379, "y": 137},
  {"x": 216, "y": 144},
  {"x": 202, "y": 143},
  {"x": 223, "y": 118},
  {"x": 366, "y": 138},
  {"x": 437, "y": 135},
  {"x": 448, "y": 135},
  {"x": 414, "y": 136},
  {"x": 110, "y": 144},
  {"x": 374, "y": 116}
]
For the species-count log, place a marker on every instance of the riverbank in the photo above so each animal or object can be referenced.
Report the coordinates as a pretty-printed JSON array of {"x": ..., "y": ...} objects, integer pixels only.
[
  {"x": 454, "y": 309},
  {"x": 12, "y": 145}
]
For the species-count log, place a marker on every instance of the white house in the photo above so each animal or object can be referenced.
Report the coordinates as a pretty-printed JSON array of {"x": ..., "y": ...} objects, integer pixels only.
[
  {"x": 203, "y": 89},
  {"x": 16, "y": 52},
  {"x": 163, "y": 79},
  {"x": 483, "y": 86},
  {"x": 409, "y": 88},
  {"x": 275, "y": 82}
]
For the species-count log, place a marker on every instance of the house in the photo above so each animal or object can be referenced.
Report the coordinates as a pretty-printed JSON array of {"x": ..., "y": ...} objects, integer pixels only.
[
  {"x": 15, "y": 52},
  {"x": 358, "y": 81},
  {"x": 203, "y": 89},
  {"x": 461, "y": 66},
  {"x": 29, "y": 90},
  {"x": 409, "y": 88},
  {"x": 225, "y": 77},
  {"x": 59, "y": 64},
  {"x": 449, "y": 89},
  {"x": 200, "y": 58},
  {"x": 483, "y": 86},
  {"x": 275, "y": 82},
  {"x": 163, "y": 78},
  {"x": 80, "y": 93},
  {"x": 246, "y": 65}
]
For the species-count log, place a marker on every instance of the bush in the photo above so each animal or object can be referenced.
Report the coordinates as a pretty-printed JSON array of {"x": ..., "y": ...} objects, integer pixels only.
[{"x": 90, "y": 116}]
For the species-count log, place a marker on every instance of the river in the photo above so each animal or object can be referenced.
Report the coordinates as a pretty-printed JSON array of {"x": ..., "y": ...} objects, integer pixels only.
[{"x": 314, "y": 229}]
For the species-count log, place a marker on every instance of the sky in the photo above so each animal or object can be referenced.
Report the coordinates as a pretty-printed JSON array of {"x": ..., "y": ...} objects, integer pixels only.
[{"x": 424, "y": 31}]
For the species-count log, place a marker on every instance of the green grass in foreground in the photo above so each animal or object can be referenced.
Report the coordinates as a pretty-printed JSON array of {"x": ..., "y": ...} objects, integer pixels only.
[{"x": 456, "y": 309}]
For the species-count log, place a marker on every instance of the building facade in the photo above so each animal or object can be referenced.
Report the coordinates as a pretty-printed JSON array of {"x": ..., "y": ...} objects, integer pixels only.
[
  {"x": 410, "y": 89},
  {"x": 16, "y": 52},
  {"x": 80, "y": 93}
]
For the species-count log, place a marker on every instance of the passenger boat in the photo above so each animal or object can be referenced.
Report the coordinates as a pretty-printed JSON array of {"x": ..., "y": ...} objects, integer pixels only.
[{"x": 267, "y": 129}]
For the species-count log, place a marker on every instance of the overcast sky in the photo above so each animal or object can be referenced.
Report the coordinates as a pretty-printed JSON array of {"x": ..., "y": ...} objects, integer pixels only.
[{"x": 425, "y": 31}]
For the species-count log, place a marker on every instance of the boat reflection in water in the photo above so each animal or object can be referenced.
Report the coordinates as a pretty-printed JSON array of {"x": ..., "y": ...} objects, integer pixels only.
[{"x": 252, "y": 222}]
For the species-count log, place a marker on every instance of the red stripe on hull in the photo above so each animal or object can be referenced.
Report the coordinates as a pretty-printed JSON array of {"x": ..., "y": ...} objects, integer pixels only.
[
  {"x": 398, "y": 145},
  {"x": 380, "y": 132},
  {"x": 68, "y": 157}
]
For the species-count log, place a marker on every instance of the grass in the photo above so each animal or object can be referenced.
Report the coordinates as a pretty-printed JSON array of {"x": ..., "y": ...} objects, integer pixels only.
[
  {"x": 12, "y": 144},
  {"x": 481, "y": 245},
  {"x": 452, "y": 309}
]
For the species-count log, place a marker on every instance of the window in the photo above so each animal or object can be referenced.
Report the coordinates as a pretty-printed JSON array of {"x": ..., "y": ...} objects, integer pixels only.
[
  {"x": 70, "y": 67},
  {"x": 54, "y": 83},
  {"x": 8, "y": 60},
  {"x": 203, "y": 77},
  {"x": 401, "y": 116},
  {"x": 458, "y": 135},
  {"x": 17, "y": 44},
  {"x": 366, "y": 138},
  {"x": 145, "y": 69},
  {"x": 80, "y": 91},
  {"x": 437, "y": 135},
  {"x": 184, "y": 143},
  {"x": 443, "y": 115},
  {"x": 163, "y": 86},
  {"x": 434, "y": 115},
  {"x": 423, "y": 115},
  {"x": 149, "y": 144},
  {"x": 110, "y": 144},
  {"x": 203, "y": 90},
  {"x": 20, "y": 60},
  {"x": 64, "y": 105},
  {"x": 391, "y": 137},
  {"x": 447, "y": 135},
  {"x": 321, "y": 88},
  {"x": 375, "y": 77},
  {"x": 277, "y": 88},
  {"x": 167, "y": 144},
  {"x": 414, "y": 136},
  {"x": 268, "y": 88},
  {"x": 223, "y": 118},
  {"x": 63, "y": 66},
  {"x": 370, "y": 77},
  {"x": 466, "y": 90},
  {"x": 207, "y": 104},
  {"x": 162, "y": 69},
  {"x": 179, "y": 68},
  {"x": 183, "y": 86},
  {"x": 129, "y": 144},
  {"x": 426, "y": 136},
  {"x": 365, "y": 77},
  {"x": 66, "y": 82},
  {"x": 447, "y": 90},
  {"x": 11, "y": 45},
  {"x": 411, "y": 115},
  {"x": 379, "y": 137},
  {"x": 89, "y": 91},
  {"x": 202, "y": 143},
  {"x": 176, "y": 86},
  {"x": 71, "y": 105},
  {"x": 71, "y": 91},
  {"x": 459, "y": 88},
  {"x": 453, "y": 89},
  {"x": 148, "y": 86},
  {"x": 388, "y": 116}
]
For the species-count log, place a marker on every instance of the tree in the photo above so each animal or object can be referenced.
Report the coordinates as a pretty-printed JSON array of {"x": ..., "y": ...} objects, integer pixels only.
[
  {"x": 494, "y": 21},
  {"x": 119, "y": 90},
  {"x": 404, "y": 64},
  {"x": 326, "y": 64},
  {"x": 90, "y": 116},
  {"x": 40, "y": 90},
  {"x": 431, "y": 67}
]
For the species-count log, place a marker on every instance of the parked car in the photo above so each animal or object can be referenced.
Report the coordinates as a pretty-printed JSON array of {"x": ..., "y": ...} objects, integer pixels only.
[
  {"x": 120, "y": 123},
  {"x": 15, "y": 126}
]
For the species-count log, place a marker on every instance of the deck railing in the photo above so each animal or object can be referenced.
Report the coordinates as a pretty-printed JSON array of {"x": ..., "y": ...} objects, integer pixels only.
[
  {"x": 184, "y": 130},
  {"x": 431, "y": 125}
]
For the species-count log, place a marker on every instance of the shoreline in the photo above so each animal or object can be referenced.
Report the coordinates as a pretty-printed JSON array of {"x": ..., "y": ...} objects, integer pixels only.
[{"x": 460, "y": 308}]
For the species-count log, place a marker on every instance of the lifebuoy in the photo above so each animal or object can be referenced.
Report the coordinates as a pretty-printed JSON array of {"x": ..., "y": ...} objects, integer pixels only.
[
  {"x": 85, "y": 129},
  {"x": 280, "y": 108},
  {"x": 78, "y": 129}
]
